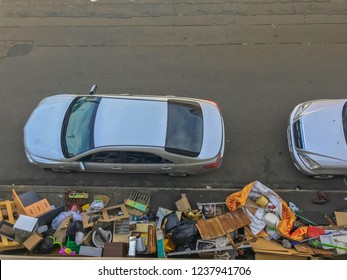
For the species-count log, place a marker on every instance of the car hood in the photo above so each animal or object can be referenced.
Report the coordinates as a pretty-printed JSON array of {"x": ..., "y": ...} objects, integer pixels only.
[
  {"x": 323, "y": 130},
  {"x": 42, "y": 131}
]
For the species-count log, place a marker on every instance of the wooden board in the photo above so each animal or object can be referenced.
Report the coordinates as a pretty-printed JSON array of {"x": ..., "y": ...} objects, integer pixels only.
[
  {"x": 10, "y": 208},
  {"x": 221, "y": 225}
]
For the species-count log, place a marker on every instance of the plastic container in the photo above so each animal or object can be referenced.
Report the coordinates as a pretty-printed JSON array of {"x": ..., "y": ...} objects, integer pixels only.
[
  {"x": 271, "y": 220},
  {"x": 72, "y": 245},
  {"x": 262, "y": 201}
]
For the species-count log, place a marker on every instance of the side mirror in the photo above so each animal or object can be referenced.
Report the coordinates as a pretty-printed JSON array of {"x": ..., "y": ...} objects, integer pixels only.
[
  {"x": 82, "y": 166},
  {"x": 93, "y": 89}
]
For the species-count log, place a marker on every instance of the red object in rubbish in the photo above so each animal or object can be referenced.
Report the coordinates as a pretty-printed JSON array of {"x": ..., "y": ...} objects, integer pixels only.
[
  {"x": 241, "y": 252},
  {"x": 313, "y": 231}
]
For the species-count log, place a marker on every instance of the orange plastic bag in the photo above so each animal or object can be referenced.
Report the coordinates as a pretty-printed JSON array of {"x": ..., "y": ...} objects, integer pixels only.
[{"x": 285, "y": 224}]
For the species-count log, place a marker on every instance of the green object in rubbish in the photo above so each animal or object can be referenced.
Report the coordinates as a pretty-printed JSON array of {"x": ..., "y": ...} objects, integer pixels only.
[
  {"x": 305, "y": 219},
  {"x": 317, "y": 244}
]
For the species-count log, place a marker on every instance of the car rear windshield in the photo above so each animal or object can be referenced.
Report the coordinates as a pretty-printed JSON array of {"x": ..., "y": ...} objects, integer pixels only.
[
  {"x": 184, "y": 128},
  {"x": 78, "y": 126}
]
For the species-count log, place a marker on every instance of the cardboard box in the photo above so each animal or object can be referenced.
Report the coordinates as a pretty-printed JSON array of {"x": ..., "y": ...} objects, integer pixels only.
[
  {"x": 33, "y": 241},
  {"x": 274, "y": 250}
]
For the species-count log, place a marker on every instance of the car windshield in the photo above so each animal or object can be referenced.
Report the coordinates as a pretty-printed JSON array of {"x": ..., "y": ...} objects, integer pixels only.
[
  {"x": 344, "y": 120},
  {"x": 78, "y": 126},
  {"x": 184, "y": 128}
]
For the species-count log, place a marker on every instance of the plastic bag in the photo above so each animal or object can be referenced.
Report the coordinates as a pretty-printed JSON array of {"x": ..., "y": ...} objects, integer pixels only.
[
  {"x": 73, "y": 228},
  {"x": 287, "y": 217},
  {"x": 48, "y": 244},
  {"x": 185, "y": 233},
  {"x": 96, "y": 206},
  {"x": 76, "y": 216}
]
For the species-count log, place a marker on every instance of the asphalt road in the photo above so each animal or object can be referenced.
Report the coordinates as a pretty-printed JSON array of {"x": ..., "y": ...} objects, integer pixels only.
[{"x": 257, "y": 59}]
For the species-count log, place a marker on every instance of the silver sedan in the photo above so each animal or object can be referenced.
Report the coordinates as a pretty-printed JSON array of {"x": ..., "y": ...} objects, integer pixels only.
[
  {"x": 317, "y": 136},
  {"x": 122, "y": 133}
]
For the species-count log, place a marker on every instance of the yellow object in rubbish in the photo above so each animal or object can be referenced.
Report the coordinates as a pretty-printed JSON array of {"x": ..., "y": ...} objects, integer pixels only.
[
  {"x": 193, "y": 214},
  {"x": 85, "y": 207},
  {"x": 168, "y": 245},
  {"x": 262, "y": 201},
  {"x": 67, "y": 251}
]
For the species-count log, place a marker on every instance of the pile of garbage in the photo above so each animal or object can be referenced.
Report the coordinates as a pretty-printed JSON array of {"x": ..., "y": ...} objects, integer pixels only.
[
  {"x": 281, "y": 231},
  {"x": 253, "y": 223}
]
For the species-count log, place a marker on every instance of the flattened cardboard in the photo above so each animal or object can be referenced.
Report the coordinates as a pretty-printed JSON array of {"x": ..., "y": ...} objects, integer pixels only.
[
  {"x": 183, "y": 204},
  {"x": 341, "y": 218},
  {"x": 274, "y": 250}
]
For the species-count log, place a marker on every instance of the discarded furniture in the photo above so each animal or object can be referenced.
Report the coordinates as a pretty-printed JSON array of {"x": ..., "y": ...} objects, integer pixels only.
[
  {"x": 30, "y": 204},
  {"x": 210, "y": 210},
  {"x": 122, "y": 213},
  {"x": 7, "y": 211},
  {"x": 223, "y": 225},
  {"x": 105, "y": 215},
  {"x": 115, "y": 249}
]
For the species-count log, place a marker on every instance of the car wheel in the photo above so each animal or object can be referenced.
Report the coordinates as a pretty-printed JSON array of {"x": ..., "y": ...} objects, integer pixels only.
[
  {"x": 323, "y": 177},
  {"x": 177, "y": 174},
  {"x": 60, "y": 170}
]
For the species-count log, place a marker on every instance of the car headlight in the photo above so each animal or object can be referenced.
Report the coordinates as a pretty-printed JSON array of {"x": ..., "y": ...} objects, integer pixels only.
[
  {"x": 310, "y": 163},
  {"x": 301, "y": 109}
]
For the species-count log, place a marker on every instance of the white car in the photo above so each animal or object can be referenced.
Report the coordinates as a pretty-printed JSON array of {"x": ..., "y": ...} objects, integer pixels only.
[
  {"x": 317, "y": 136},
  {"x": 122, "y": 133}
]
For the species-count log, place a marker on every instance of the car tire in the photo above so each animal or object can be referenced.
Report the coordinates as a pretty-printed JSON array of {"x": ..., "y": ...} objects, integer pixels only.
[
  {"x": 177, "y": 174},
  {"x": 323, "y": 177}
]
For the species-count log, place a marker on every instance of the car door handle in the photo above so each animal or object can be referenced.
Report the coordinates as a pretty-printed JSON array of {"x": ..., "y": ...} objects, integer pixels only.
[
  {"x": 166, "y": 168},
  {"x": 116, "y": 167}
]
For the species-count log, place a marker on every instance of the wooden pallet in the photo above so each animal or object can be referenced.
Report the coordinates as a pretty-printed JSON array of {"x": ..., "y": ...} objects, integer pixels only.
[{"x": 7, "y": 210}]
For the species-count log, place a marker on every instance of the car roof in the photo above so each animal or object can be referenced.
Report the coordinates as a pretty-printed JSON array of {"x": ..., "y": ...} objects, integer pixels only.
[{"x": 130, "y": 122}]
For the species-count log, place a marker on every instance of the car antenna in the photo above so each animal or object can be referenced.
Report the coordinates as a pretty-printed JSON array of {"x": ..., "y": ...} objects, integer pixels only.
[{"x": 93, "y": 89}]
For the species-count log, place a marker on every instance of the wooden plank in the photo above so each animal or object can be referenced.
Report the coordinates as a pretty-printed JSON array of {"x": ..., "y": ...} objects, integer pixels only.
[
  {"x": 304, "y": 248},
  {"x": 5, "y": 243},
  {"x": 18, "y": 203},
  {"x": 9, "y": 211},
  {"x": 106, "y": 217},
  {"x": 220, "y": 225}
]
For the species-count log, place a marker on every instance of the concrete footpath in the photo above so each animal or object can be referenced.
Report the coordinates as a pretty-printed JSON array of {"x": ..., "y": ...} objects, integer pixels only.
[{"x": 166, "y": 197}]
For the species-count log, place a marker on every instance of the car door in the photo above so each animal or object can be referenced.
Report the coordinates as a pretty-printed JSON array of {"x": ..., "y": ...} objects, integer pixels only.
[
  {"x": 142, "y": 162},
  {"x": 106, "y": 161}
]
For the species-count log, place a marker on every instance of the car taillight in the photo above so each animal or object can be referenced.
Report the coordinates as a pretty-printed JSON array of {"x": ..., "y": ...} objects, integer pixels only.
[
  {"x": 215, "y": 164},
  {"x": 215, "y": 103}
]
